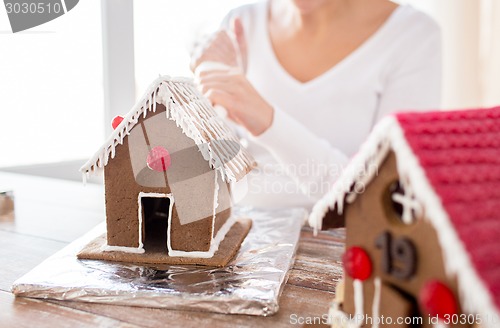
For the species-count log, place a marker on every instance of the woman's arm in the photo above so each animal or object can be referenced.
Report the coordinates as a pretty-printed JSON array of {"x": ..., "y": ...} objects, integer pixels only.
[
  {"x": 309, "y": 160},
  {"x": 314, "y": 163}
]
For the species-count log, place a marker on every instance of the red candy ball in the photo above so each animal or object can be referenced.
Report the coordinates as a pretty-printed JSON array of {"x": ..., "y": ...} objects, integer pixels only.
[
  {"x": 436, "y": 299},
  {"x": 116, "y": 121},
  {"x": 357, "y": 263},
  {"x": 159, "y": 159}
]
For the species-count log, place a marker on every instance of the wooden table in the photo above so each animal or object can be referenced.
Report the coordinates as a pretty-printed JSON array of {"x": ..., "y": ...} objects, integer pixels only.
[{"x": 51, "y": 213}]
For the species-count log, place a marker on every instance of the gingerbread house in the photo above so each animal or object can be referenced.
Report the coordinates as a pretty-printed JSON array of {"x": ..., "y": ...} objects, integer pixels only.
[
  {"x": 168, "y": 166},
  {"x": 421, "y": 207}
]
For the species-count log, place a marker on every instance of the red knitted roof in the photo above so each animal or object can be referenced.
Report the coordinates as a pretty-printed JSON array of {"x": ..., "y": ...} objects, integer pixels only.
[{"x": 460, "y": 154}]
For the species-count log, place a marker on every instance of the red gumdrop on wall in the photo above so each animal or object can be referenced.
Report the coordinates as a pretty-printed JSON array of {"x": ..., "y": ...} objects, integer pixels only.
[
  {"x": 436, "y": 299},
  {"x": 159, "y": 159},
  {"x": 116, "y": 121},
  {"x": 357, "y": 263}
]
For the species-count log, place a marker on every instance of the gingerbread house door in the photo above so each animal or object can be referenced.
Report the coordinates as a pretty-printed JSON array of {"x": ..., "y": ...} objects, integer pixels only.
[
  {"x": 155, "y": 211},
  {"x": 396, "y": 308}
]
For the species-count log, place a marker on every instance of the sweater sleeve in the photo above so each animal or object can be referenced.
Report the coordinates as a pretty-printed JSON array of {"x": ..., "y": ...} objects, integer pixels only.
[
  {"x": 414, "y": 84},
  {"x": 308, "y": 159}
]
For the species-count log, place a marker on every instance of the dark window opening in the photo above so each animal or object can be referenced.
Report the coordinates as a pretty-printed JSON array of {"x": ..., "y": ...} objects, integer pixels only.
[
  {"x": 400, "y": 207},
  {"x": 396, "y": 188}
]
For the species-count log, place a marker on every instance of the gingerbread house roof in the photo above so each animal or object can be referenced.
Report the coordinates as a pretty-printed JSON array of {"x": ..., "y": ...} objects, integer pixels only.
[
  {"x": 198, "y": 120},
  {"x": 450, "y": 163}
]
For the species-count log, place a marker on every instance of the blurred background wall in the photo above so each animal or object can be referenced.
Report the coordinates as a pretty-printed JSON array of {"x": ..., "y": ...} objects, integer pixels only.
[{"x": 471, "y": 50}]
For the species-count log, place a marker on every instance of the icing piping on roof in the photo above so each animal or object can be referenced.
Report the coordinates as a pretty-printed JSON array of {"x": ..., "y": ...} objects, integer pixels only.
[
  {"x": 194, "y": 114},
  {"x": 473, "y": 294},
  {"x": 359, "y": 172}
]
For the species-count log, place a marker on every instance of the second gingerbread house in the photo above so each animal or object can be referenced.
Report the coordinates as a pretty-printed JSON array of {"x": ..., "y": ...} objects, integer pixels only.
[{"x": 420, "y": 203}]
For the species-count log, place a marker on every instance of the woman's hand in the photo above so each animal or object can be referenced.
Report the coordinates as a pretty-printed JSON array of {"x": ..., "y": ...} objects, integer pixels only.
[
  {"x": 221, "y": 48},
  {"x": 244, "y": 105},
  {"x": 230, "y": 89}
]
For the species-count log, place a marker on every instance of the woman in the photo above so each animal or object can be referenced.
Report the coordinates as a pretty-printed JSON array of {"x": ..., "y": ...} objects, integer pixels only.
[{"x": 315, "y": 76}]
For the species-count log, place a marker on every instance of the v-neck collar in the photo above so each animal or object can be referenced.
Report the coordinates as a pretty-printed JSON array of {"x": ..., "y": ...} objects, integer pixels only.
[{"x": 338, "y": 66}]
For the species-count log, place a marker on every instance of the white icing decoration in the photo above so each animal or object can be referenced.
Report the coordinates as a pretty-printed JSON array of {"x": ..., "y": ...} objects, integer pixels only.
[
  {"x": 198, "y": 120},
  {"x": 473, "y": 294},
  {"x": 136, "y": 250},
  {"x": 214, "y": 246},
  {"x": 376, "y": 303},
  {"x": 355, "y": 174},
  {"x": 340, "y": 319},
  {"x": 409, "y": 205},
  {"x": 215, "y": 240},
  {"x": 358, "y": 298},
  {"x": 215, "y": 205}
]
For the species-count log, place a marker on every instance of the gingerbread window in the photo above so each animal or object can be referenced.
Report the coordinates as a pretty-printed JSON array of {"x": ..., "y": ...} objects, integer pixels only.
[{"x": 400, "y": 204}]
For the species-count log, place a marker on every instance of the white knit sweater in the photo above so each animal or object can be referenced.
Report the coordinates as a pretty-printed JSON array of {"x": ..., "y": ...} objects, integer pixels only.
[{"x": 320, "y": 124}]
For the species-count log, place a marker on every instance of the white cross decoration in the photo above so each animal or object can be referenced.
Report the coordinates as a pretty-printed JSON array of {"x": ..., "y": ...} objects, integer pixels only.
[{"x": 409, "y": 204}]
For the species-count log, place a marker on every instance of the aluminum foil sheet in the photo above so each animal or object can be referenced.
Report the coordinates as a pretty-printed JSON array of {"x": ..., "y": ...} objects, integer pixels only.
[{"x": 251, "y": 284}]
